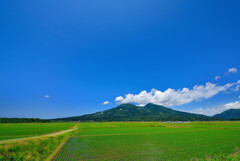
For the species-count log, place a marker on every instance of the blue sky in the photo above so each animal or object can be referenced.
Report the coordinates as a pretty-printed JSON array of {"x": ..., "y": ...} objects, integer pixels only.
[{"x": 82, "y": 53}]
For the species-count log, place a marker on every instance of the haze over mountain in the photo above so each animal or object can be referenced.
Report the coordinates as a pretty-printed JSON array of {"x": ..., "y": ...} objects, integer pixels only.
[{"x": 130, "y": 112}]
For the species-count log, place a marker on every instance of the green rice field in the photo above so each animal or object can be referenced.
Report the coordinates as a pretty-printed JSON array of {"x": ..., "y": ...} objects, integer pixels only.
[
  {"x": 151, "y": 141},
  {"x": 23, "y": 130}
]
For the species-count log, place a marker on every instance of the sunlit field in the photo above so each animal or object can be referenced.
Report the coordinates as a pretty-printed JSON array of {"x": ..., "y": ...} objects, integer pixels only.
[
  {"x": 152, "y": 141},
  {"x": 22, "y": 130}
]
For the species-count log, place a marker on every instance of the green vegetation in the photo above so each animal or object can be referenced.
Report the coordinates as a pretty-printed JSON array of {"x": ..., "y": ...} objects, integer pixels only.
[
  {"x": 33, "y": 149},
  {"x": 23, "y": 120},
  {"x": 130, "y": 112},
  {"x": 232, "y": 157},
  {"x": 231, "y": 114},
  {"x": 22, "y": 130},
  {"x": 67, "y": 152},
  {"x": 153, "y": 141},
  {"x": 200, "y": 141}
]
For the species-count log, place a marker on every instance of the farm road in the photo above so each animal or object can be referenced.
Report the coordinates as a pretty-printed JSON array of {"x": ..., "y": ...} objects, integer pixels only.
[{"x": 34, "y": 137}]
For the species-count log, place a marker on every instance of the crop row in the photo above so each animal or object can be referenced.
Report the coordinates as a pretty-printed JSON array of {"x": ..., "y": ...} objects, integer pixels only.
[{"x": 67, "y": 152}]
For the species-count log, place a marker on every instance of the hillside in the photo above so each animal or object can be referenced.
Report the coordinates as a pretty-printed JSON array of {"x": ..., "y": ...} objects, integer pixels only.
[
  {"x": 130, "y": 112},
  {"x": 231, "y": 114}
]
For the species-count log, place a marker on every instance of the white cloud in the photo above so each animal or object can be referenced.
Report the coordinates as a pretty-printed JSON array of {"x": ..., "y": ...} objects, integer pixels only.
[
  {"x": 119, "y": 99},
  {"x": 217, "y": 77},
  {"x": 232, "y": 70},
  {"x": 47, "y": 96},
  {"x": 239, "y": 97},
  {"x": 233, "y": 105},
  {"x": 106, "y": 103},
  {"x": 172, "y": 97},
  {"x": 216, "y": 110}
]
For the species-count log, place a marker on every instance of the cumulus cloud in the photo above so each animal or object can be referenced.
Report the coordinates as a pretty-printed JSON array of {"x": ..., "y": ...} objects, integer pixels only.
[
  {"x": 216, "y": 110},
  {"x": 47, "y": 96},
  {"x": 119, "y": 99},
  {"x": 232, "y": 70},
  {"x": 106, "y": 103},
  {"x": 233, "y": 105},
  {"x": 217, "y": 77},
  {"x": 172, "y": 97}
]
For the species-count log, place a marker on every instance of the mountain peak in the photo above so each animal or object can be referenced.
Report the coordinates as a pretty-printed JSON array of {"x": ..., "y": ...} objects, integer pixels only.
[
  {"x": 154, "y": 105},
  {"x": 130, "y": 112},
  {"x": 149, "y": 104}
]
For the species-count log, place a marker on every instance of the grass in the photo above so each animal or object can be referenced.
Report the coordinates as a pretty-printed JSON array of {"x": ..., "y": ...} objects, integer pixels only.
[
  {"x": 23, "y": 130},
  {"x": 35, "y": 149},
  {"x": 153, "y": 141},
  {"x": 195, "y": 141}
]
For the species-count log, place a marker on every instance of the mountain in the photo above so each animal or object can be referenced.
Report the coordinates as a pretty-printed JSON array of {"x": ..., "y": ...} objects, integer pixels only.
[
  {"x": 130, "y": 112},
  {"x": 232, "y": 114}
]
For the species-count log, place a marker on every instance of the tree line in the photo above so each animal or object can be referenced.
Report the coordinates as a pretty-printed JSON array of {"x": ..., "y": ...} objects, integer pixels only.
[{"x": 23, "y": 120}]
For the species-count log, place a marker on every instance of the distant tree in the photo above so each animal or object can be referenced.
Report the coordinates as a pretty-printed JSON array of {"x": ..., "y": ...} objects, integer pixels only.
[{"x": 23, "y": 120}]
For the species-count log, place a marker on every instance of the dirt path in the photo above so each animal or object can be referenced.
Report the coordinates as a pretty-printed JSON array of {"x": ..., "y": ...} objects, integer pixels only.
[{"x": 34, "y": 137}]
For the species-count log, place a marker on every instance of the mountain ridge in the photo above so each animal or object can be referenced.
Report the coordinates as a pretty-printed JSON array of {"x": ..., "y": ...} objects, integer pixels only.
[
  {"x": 130, "y": 112},
  {"x": 231, "y": 114}
]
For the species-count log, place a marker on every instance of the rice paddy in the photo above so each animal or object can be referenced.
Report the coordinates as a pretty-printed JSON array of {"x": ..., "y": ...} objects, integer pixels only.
[
  {"x": 23, "y": 130},
  {"x": 151, "y": 141},
  {"x": 135, "y": 140}
]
